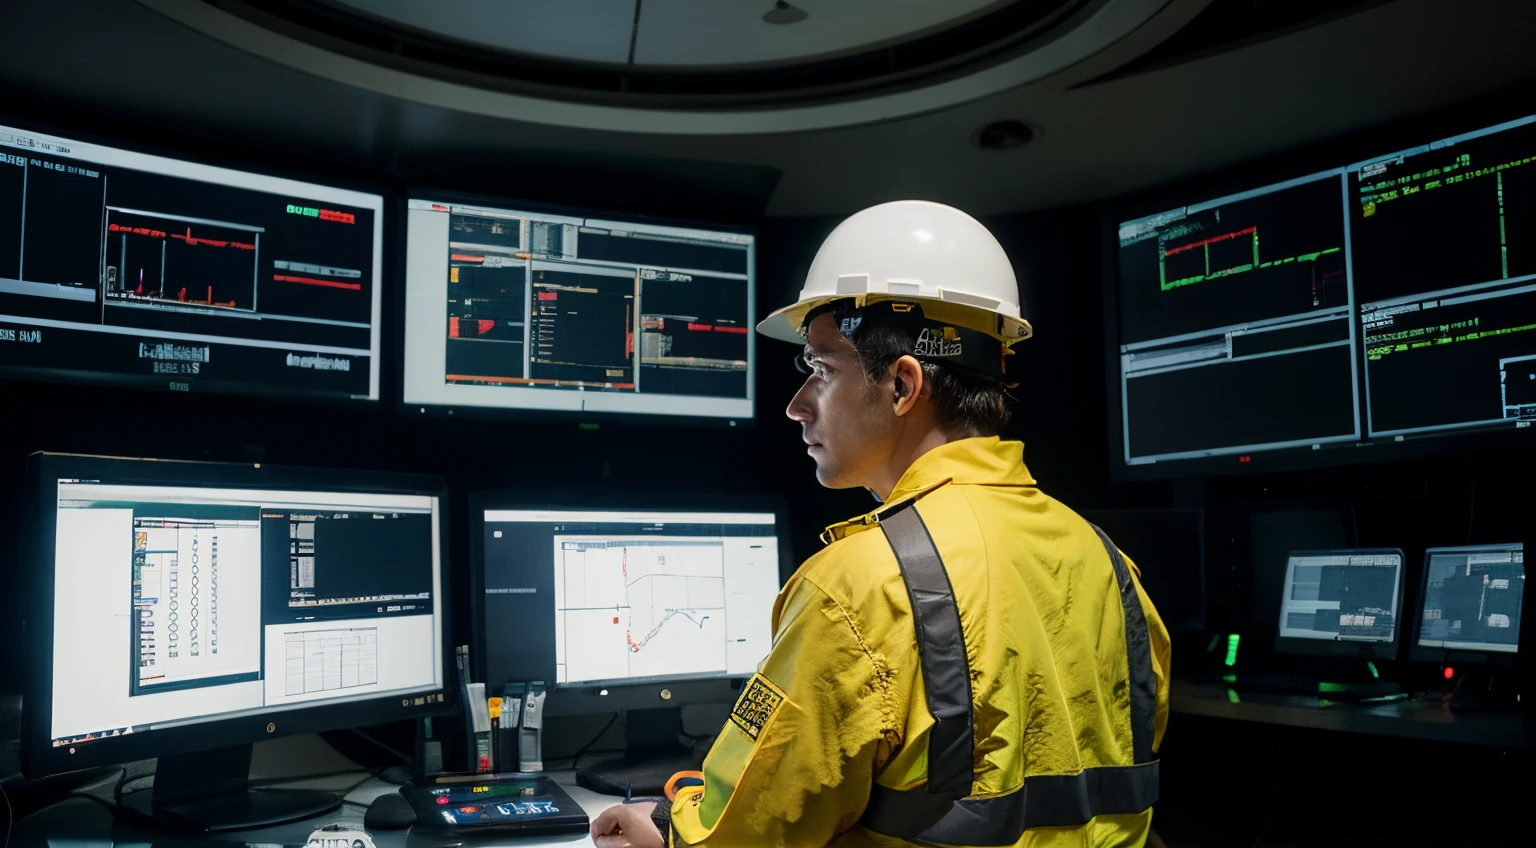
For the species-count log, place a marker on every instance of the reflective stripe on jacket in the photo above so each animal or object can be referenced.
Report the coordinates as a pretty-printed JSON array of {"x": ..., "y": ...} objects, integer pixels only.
[{"x": 836, "y": 740}]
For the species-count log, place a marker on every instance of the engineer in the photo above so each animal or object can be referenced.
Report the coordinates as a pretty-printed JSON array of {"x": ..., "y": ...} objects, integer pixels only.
[{"x": 971, "y": 663}]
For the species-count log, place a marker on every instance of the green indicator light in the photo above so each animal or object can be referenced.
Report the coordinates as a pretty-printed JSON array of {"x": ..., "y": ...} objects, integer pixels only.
[
  {"x": 1332, "y": 687},
  {"x": 1229, "y": 678},
  {"x": 1232, "y": 649},
  {"x": 1232, "y": 696},
  {"x": 1371, "y": 667},
  {"x": 588, "y": 425}
]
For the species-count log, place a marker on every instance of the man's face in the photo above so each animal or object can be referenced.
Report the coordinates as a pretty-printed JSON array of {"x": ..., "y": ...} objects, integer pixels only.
[{"x": 847, "y": 420}]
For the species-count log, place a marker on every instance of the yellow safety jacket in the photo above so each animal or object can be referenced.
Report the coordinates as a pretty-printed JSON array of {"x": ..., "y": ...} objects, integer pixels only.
[{"x": 970, "y": 664}]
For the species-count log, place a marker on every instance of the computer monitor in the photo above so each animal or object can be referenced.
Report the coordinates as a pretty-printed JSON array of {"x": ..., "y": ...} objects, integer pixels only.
[
  {"x": 168, "y": 274},
  {"x": 610, "y": 605},
  {"x": 1330, "y": 317},
  {"x": 1469, "y": 606},
  {"x": 1342, "y": 602},
  {"x": 643, "y": 604},
  {"x": 1234, "y": 326},
  {"x": 557, "y": 311},
  {"x": 1444, "y": 283},
  {"x": 184, "y": 610}
]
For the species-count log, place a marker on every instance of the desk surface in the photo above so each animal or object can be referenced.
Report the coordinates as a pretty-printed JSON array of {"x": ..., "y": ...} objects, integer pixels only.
[
  {"x": 1427, "y": 720},
  {"x": 89, "y": 823}
]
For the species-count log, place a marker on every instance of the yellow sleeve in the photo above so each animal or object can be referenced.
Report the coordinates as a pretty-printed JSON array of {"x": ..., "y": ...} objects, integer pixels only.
[
  {"x": 1162, "y": 655},
  {"x": 794, "y": 763}
]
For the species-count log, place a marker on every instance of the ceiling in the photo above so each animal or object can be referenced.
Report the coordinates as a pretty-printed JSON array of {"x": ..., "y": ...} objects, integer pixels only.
[
  {"x": 701, "y": 33},
  {"x": 191, "y": 67}
]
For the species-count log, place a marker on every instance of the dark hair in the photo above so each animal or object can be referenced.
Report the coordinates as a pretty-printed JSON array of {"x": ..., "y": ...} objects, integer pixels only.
[{"x": 961, "y": 404}]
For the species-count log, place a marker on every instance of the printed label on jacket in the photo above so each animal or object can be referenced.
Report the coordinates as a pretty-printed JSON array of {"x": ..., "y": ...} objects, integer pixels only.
[{"x": 756, "y": 705}]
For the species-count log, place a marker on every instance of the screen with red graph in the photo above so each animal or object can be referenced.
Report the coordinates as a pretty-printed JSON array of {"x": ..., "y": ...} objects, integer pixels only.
[{"x": 164, "y": 274}]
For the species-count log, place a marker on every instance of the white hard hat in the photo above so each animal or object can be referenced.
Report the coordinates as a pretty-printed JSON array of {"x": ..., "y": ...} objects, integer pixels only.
[{"x": 912, "y": 250}]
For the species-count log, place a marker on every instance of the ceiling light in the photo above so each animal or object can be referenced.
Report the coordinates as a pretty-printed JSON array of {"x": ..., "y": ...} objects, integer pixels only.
[
  {"x": 1002, "y": 135},
  {"x": 783, "y": 13}
]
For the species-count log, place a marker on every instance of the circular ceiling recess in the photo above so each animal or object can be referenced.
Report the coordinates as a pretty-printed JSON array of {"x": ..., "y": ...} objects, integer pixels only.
[{"x": 810, "y": 64}]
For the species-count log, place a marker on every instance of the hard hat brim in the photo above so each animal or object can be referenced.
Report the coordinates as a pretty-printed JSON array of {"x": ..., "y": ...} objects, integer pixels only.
[{"x": 784, "y": 324}]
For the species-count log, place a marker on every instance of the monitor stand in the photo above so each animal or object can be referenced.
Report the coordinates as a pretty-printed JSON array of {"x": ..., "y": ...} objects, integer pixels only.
[
  {"x": 652, "y": 755},
  {"x": 211, "y": 791}
]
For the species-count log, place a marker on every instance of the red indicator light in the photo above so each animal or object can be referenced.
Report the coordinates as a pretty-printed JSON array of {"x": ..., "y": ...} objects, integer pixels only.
[
  {"x": 467, "y": 810},
  {"x": 1244, "y": 459},
  {"x": 1449, "y": 672},
  {"x": 442, "y": 802}
]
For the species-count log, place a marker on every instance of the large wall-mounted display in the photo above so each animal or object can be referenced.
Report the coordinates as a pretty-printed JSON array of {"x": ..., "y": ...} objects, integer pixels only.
[
  {"x": 1384, "y": 301},
  {"x": 125, "y": 268},
  {"x": 521, "y": 310}
]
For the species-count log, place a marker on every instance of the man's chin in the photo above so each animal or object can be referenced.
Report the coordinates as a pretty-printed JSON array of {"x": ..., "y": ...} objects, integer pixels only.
[{"x": 832, "y": 479}]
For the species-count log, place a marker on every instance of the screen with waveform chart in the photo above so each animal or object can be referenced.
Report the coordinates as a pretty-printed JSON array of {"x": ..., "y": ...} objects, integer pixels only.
[
  {"x": 167, "y": 274},
  {"x": 612, "y": 596},
  {"x": 559, "y": 311},
  {"x": 1235, "y": 329}
]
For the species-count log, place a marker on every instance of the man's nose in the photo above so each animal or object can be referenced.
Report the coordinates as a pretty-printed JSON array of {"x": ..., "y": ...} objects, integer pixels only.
[{"x": 799, "y": 410}]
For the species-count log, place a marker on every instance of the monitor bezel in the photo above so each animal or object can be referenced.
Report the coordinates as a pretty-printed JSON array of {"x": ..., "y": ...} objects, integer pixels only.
[
  {"x": 1361, "y": 650},
  {"x": 40, "y": 758},
  {"x": 595, "y": 698},
  {"x": 512, "y": 413},
  {"x": 257, "y": 163},
  {"x": 1458, "y": 656}
]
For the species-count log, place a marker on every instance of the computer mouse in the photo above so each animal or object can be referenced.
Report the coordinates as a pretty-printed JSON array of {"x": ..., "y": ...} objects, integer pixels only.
[{"x": 389, "y": 812}]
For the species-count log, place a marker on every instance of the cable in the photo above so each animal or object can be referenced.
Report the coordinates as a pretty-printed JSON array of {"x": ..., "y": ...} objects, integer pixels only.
[
  {"x": 403, "y": 758},
  {"x": 122, "y": 783},
  {"x": 576, "y": 757},
  {"x": 1274, "y": 804}
]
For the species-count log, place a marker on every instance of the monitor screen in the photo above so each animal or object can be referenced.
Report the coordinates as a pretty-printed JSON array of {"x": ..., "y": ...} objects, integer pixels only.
[
  {"x": 1341, "y": 596},
  {"x": 1471, "y": 599},
  {"x": 1446, "y": 282},
  {"x": 1235, "y": 326},
  {"x": 586, "y": 597},
  {"x": 170, "y": 275},
  {"x": 1365, "y": 305},
  {"x": 510, "y": 309},
  {"x": 177, "y": 605}
]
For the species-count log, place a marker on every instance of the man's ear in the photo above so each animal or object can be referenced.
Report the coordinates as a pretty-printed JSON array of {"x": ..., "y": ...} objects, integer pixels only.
[{"x": 908, "y": 384}]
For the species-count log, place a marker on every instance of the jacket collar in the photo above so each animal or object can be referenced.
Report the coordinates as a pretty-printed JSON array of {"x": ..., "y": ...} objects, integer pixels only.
[{"x": 982, "y": 461}]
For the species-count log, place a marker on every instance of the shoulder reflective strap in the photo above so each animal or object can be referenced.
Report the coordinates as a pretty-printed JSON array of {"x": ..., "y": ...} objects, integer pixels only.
[
  {"x": 1045, "y": 800},
  {"x": 940, "y": 650},
  {"x": 1138, "y": 655}
]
